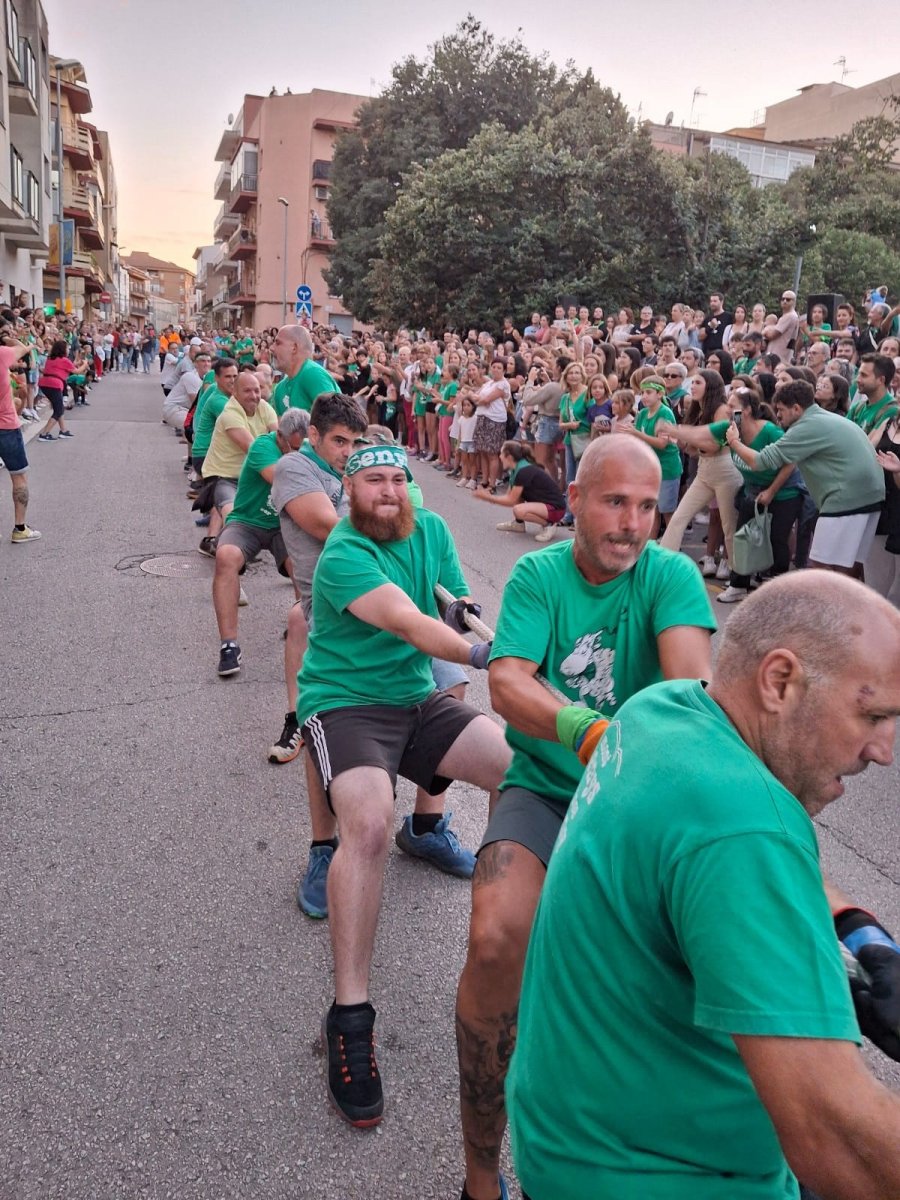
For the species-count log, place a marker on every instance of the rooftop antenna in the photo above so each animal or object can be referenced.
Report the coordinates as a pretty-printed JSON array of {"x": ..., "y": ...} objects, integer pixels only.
[
  {"x": 698, "y": 91},
  {"x": 845, "y": 70},
  {"x": 670, "y": 117}
]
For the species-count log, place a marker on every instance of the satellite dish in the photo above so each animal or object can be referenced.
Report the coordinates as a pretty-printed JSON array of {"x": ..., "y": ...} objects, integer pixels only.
[
  {"x": 231, "y": 118},
  {"x": 670, "y": 117}
]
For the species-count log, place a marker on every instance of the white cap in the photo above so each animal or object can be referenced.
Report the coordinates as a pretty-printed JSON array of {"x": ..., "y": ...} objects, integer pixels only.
[{"x": 196, "y": 341}]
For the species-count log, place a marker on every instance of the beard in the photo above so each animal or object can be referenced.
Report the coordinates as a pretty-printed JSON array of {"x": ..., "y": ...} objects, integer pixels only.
[{"x": 395, "y": 527}]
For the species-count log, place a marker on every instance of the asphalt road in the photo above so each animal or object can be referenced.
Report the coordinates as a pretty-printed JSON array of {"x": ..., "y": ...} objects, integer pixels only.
[{"x": 160, "y": 992}]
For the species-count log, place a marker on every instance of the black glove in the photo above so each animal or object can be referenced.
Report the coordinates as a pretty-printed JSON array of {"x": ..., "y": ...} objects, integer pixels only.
[
  {"x": 454, "y": 614},
  {"x": 479, "y": 655},
  {"x": 877, "y": 1001}
]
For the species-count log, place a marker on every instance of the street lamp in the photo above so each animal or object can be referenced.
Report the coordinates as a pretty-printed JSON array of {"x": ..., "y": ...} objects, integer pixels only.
[
  {"x": 283, "y": 200},
  {"x": 61, "y": 64}
]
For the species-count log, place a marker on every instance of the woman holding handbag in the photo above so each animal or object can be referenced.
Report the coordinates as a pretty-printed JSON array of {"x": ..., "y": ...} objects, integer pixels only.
[
  {"x": 573, "y": 416},
  {"x": 779, "y": 493}
]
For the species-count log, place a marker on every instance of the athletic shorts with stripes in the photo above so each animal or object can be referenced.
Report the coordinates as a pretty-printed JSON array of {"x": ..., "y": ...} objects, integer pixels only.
[{"x": 410, "y": 742}]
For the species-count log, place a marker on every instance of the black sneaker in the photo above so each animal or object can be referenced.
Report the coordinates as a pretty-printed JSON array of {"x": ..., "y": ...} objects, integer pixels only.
[
  {"x": 208, "y": 547},
  {"x": 229, "y": 659},
  {"x": 354, "y": 1084},
  {"x": 289, "y": 744}
]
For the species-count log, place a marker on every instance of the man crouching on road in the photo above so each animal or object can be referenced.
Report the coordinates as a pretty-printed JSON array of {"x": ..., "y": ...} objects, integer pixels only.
[{"x": 369, "y": 712}]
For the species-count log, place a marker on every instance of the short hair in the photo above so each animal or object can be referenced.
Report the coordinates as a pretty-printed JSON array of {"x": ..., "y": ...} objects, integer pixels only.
[
  {"x": 798, "y": 392},
  {"x": 697, "y": 353},
  {"x": 223, "y": 364},
  {"x": 667, "y": 339},
  {"x": 753, "y": 336},
  {"x": 334, "y": 408},
  {"x": 882, "y": 365},
  {"x": 679, "y": 368},
  {"x": 293, "y": 420},
  {"x": 721, "y": 295}
]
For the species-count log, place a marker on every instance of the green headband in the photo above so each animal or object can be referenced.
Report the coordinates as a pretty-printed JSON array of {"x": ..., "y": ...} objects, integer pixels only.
[
  {"x": 652, "y": 385},
  {"x": 377, "y": 456}
]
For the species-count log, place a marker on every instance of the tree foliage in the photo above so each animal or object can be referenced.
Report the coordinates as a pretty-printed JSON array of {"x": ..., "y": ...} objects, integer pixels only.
[{"x": 486, "y": 181}]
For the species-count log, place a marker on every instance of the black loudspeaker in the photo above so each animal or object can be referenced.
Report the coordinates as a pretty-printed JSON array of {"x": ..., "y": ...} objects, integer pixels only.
[{"x": 830, "y": 301}]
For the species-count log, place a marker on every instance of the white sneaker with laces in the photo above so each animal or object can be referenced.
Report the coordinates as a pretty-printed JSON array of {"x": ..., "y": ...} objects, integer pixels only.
[
  {"x": 723, "y": 571},
  {"x": 701, "y": 518},
  {"x": 731, "y": 595},
  {"x": 512, "y": 526},
  {"x": 707, "y": 566},
  {"x": 547, "y": 534}
]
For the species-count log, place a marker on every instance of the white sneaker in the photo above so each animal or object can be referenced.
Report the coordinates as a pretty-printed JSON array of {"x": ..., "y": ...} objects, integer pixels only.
[
  {"x": 512, "y": 526},
  {"x": 731, "y": 595},
  {"x": 723, "y": 571},
  {"x": 472, "y": 485},
  {"x": 700, "y": 518},
  {"x": 243, "y": 599},
  {"x": 547, "y": 534},
  {"x": 707, "y": 566}
]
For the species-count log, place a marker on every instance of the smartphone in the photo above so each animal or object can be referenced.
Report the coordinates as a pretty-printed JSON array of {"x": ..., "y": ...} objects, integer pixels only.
[{"x": 736, "y": 419}]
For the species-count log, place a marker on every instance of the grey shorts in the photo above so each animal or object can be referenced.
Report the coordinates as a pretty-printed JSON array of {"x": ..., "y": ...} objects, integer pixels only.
[
  {"x": 226, "y": 490},
  {"x": 251, "y": 539},
  {"x": 529, "y": 820},
  {"x": 548, "y": 432},
  {"x": 401, "y": 741}
]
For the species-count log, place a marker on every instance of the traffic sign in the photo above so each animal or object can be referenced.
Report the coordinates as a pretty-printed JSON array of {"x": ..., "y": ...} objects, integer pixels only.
[
  {"x": 304, "y": 293},
  {"x": 303, "y": 308},
  {"x": 105, "y": 297}
]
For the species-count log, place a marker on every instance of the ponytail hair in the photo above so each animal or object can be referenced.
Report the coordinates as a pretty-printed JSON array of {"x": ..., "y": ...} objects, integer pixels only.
[{"x": 518, "y": 451}]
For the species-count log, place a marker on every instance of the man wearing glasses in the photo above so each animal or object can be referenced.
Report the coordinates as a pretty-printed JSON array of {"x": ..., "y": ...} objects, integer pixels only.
[{"x": 782, "y": 336}]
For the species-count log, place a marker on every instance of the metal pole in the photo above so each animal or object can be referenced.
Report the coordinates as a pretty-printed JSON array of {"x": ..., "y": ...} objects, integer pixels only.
[
  {"x": 59, "y": 194},
  {"x": 798, "y": 267},
  {"x": 284, "y": 271}
]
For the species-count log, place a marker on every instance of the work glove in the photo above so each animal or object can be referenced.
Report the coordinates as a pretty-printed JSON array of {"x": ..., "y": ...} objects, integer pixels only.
[
  {"x": 455, "y": 614},
  {"x": 479, "y": 654},
  {"x": 580, "y": 729},
  {"x": 875, "y": 989}
]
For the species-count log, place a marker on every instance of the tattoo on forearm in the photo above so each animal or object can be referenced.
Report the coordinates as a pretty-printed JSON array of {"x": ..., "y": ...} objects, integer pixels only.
[
  {"x": 484, "y": 1052},
  {"x": 493, "y": 863}
]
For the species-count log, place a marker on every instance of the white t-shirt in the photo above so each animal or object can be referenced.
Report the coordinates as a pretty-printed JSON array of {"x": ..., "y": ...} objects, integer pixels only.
[
  {"x": 467, "y": 428},
  {"x": 496, "y": 410}
]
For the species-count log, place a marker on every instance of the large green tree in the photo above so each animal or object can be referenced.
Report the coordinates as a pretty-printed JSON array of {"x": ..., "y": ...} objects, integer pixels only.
[{"x": 469, "y": 79}]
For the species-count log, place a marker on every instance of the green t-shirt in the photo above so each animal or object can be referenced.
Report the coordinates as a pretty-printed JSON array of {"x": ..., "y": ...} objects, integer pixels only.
[
  {"x": 669, "y": 459},
  {"x": 594, "y": 642},
  {"x": 349, "y": 662},
  {"x": 681, "y": 906},
  {"x": 301, "y": 390},
  {"x": 744, "y": 366},
  {"x": 208, "y": 410},
  {"x": 244, "y": 350},
  {"x": 252, "y": 504},
  {"x": 421, "y": 397},
  {"x": 872, "y": 416},
  {"x": 448, "y": 391},
  {"x": 767, "y": 435},
  {"x": 574, "y": 410}
]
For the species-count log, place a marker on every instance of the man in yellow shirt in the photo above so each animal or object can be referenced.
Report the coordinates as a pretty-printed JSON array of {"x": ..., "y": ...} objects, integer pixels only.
[{"x": 243, "y": 419}]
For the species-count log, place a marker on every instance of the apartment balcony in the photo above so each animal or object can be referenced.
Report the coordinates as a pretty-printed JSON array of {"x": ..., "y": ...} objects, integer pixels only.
[
  {"x": 225, "y": 224},
  {"x": 81, "y": 207},
  {"x": 241, "y": 244},
  {"x": 84, "y": 266},
  {"x": 222, "y": 188},
  {"x": 320, "y": 237},
  {"x": 78, "y": 146},
  {"x": 242, "y": 291},
  {"x": 77, "y": 94},
  {"x": 22, "y": 231},
  {"x": 243, "y": 194},
  {"x": 138, "y": 308}
]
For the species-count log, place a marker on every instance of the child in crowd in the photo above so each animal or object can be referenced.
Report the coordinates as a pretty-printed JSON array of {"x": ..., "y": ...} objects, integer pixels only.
[{"x": 468, "y": 458}]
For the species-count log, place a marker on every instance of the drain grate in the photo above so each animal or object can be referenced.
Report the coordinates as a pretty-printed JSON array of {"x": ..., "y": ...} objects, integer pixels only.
[{"x": 178, "y": 566}]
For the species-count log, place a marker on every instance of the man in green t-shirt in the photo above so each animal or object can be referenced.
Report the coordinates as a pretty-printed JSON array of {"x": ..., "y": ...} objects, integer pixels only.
[
  {"x": 686, "y": 1029},
  {"x": 369, "y": 712},
  {"x": 252, "y": 525},
  {"x": 600, "y": 618},
  {"x": 304, "y": 379}
]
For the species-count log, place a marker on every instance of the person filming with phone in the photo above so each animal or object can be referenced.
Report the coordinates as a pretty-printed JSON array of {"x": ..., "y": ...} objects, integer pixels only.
[{"x": 780, "y": 491}]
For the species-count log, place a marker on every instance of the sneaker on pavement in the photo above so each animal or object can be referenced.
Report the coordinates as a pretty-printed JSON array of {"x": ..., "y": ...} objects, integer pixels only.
[
  {"x": 46, "y": 437},
  {"x": 462, "y": 483},
  {"x": 289, "y": 744},
  {"x": 732, "y": 595},
  {"x": 25, "y": 535},
  {"x": 701, "y": 518},
  {"x": 208, "y": 547},
  {"x": 723, "y": 570},
  {"x": 66, "y": 433},
  {"x": 512, "y": 526},
  {"x": 440, "y": 847},
  {"x": 707, "y": 566},
  {"x": 312, "y": 894},
  {"x": 354, "y": 1085},
  {"x": 229, "y": 659},
  {"x": 243, "y": 599},
  {"x": 547, "y": 534}
]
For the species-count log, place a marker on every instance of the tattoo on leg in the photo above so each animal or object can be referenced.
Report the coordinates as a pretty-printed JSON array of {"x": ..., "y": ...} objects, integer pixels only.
[
  {"x": 493, "y": 863},
  {"x": 484, "y": 1053},
  {"x": 20, "y": 494}
]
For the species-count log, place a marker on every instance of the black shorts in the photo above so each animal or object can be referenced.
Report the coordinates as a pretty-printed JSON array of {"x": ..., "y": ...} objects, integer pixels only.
[
  {"x": 55, "y": 396},
  {"x": 528, "y": 819},
  {"x": 402, "y": 741}
]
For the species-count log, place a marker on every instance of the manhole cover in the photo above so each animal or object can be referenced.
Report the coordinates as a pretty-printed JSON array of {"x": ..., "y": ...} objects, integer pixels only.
[{"x": 177, "y": 566}]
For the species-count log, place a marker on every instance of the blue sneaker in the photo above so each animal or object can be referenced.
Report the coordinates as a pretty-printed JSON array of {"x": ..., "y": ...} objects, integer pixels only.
[
  {"x": 440, "y": 847},
  {"x": 312, "y": 894}
]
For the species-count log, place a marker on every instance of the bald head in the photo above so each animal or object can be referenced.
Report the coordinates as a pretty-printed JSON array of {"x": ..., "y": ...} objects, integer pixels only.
[
  {"x": 827, "y": 620},
  {"x": 293, "y": 345},
  {"x": 617, "y": 452}
]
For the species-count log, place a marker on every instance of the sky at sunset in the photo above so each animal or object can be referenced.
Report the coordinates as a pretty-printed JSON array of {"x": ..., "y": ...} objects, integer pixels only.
[{"x": 164, "y": 75}]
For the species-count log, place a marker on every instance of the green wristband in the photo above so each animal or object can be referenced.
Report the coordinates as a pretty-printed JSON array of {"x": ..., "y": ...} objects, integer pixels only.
[{"x": 572, "y": 722}]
